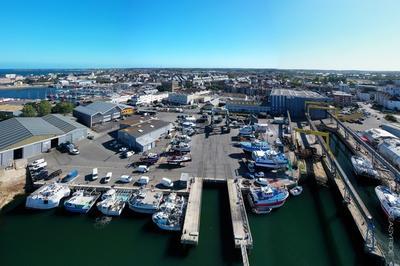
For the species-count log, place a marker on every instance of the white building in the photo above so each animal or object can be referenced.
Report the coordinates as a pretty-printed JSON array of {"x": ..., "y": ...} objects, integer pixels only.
[
  {"x": 387, "y": 100},
  {"x": 148, "y": 98},
  {"x": 184, "y": 98},
  {"x": 390, "y": 150},
  {"x": 11, "y": 76},
  {"x": 377, "y": 135}
]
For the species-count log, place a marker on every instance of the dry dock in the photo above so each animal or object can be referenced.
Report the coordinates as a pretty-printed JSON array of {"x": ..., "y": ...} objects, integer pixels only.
[{"x": 191, "y": 226}]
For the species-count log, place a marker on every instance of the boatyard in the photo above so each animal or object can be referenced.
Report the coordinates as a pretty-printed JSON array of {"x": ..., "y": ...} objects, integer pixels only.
[{"x": 257, "y": 181}]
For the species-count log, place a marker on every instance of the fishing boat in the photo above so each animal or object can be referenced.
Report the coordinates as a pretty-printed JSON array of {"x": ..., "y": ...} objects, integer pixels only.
[
  {"x": 262, "y": 181},
  {"x": 145, "y": 201},
  {"x": 256, "y": 145},
  {"x": 246, "y": 131},
  {"x": 108, "y": 194},
  {"x": 390, "y": 201},
  {"x": 179, "y": 159},
  {"x": 48, "y": 196},
  {"x": 264, "y": 198},
  {"x": 112, "y": 206},
  {"x": 269, "y": 159},
  {"x": 363, "y": 167},
  {"x": 181, "y": 147},
  {"x": 170, "y": 217},
  {"x": 151, "y": 158},
  {"x": 81, "y": 201}
]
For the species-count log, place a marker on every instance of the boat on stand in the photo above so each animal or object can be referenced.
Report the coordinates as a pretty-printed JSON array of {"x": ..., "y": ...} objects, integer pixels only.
[
  {"x": 81, "y": 201},
  {"x": 269, "y": 159},
  {"x": 48, "y": 196}
]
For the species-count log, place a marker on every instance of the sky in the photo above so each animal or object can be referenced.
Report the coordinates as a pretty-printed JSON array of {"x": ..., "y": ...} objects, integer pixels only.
[{"x": 299, "y": 34}]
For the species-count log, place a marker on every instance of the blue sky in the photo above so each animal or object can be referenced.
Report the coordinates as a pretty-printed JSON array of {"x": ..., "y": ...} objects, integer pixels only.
[{"x": 311, "y": 34}]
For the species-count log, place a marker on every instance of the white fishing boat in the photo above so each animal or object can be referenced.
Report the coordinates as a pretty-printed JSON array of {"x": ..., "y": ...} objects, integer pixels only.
[
  {"x": 269, "y": 159},
  {"x": 108, "y": 194},
  {"x": 48, "y": 196},
  {"x": 112, "y": 206},
  {"x": 81, "y": 201},
  {"x": 390, "y": 201},
  {"x": 172, "y": 212},
  {"x": 262, "y": 181},
  {"x": 363, "y": 167},
  {"x": 145, "y": 201}
]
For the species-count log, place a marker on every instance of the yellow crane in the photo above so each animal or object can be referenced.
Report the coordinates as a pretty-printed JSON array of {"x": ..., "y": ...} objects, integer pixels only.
[
  {"x": 315, "y": 133},
  {"x": 320, "y": 106}
]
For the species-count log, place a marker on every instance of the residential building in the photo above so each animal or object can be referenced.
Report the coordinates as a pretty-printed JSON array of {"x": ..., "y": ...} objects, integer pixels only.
[
  {"x": 144, "y": 99},
  {"x": 388, "y": 101},
  {"x": 188, "y": 97},
  {"x": 97, "y": 113},
  {"x": 342, "y": 98}
]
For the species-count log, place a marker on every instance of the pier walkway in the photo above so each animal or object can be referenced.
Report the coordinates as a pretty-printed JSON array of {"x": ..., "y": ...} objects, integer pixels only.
[
  {"x": 240, "y": 224},
  {"x": 354, "y": 203},
  {"x": 191, "y": 226}
]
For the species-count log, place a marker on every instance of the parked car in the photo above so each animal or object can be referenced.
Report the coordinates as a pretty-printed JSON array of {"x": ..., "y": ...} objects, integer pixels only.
[
  {"x": 94, "y": 174},
  {"x": 143, "y": 180},
  {"x": 166, "y": 182},
  {"x": 125, "y": 179},
  {"x": 142, "y": 169}
]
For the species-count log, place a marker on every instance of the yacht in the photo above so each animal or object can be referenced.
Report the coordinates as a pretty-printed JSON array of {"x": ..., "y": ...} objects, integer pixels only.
[
  {"x": 363, "y": 167},
  {"x": 390, "y": 201},
  {"x": 246, "y": 130},
  {"x": 81, "y": 201},
  {"x": 269, "y": 159},
  {"x": 145, "y": 201},
  {"x": 263, "y": 199},
  {"x": 48, "y": 196},
  {"x": 254, "y": 146},
  {"x": 151, "y": 158}
]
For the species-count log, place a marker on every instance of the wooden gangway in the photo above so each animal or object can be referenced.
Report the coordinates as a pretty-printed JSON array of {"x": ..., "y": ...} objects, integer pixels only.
[{"x": 191, "y": 226}]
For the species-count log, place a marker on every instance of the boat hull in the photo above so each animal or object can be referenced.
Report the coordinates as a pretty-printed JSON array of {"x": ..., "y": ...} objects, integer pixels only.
[
  {"x": 271, "y": 165},
  {"x": 76, "y": 209},
  {"x": 143, "y": 210}
]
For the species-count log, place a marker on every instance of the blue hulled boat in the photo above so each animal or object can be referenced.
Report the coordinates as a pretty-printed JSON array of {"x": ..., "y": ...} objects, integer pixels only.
[{"x": 254, "y": 146}]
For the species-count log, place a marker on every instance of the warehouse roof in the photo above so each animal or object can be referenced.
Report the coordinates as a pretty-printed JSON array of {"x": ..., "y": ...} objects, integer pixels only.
[
  {"x": 96, "y": 107},
  {"x": 145, "y": 127},
  {"x": 19, "y": 131},
  {"x": 296, "y": 93}
]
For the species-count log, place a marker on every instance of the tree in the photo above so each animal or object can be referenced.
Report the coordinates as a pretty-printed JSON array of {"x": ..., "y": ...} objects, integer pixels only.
[
  {"x": 44, "y": 108},
  {"x": 63, "y": 108},
  {"x": 29, "y": 111},
  {"x": 5, "y": 116}
]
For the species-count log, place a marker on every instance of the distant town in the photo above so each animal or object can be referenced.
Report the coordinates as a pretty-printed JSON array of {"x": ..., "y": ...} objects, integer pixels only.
[{"x": 148, "y": 139}]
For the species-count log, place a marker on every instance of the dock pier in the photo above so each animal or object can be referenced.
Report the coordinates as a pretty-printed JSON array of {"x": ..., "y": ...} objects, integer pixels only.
[
  {"x": 240, "y": 224},
  {"x": 191, "y": 226}
]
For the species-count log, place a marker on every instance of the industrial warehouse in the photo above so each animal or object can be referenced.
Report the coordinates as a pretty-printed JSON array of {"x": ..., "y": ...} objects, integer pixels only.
[
  {"x": 143, "y": 136},
  {"x": 25, "y": 137},
  {"x": 97, "y": 113}
]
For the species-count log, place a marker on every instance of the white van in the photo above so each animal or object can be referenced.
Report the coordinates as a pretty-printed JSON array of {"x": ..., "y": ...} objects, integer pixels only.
[
  {"x": 39, "y": 166},
  {"x": 94, "y": 174},
  {"x": 143, "y": 180},
  {"x": 142, "y": 169},
  {"x": 36, "y": 162},
  {"x": 167, "y": 182},
  {"x": 108, "y": 177}
]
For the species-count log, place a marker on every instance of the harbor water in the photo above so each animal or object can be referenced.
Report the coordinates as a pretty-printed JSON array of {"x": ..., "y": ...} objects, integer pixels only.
[
  {"x": 367, "y": 193},
  {"x": 27, "y": 93},
  {"x": 309, "y": 230}
]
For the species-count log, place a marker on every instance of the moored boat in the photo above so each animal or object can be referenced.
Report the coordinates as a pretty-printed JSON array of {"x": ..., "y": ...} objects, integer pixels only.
[
  {"x": 390, "y": 201},
  {"x": 263, "y": 198},
  {"x": 170, "y": 217},
  {"x": 363, "y": 167},
  {"x": 145, "y": 201},
  {"x": 81, "y": 201},
  {"x": 48, "y": 196}
]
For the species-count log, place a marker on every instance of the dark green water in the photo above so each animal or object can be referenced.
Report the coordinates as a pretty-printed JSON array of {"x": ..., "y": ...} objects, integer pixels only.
[
  {"x": 309, "y": 230},
  {"x": 367, "y": 193}
]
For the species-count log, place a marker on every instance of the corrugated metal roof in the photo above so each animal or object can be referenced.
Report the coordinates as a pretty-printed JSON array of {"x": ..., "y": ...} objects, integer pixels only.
[
  {"x": 38, "y": 126},
  {"x": 66, "y": 124},
  {"x": 12, "y": 131},
  {"x": 96, "y": 107},
  {"x": 145, "y": 127}
]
